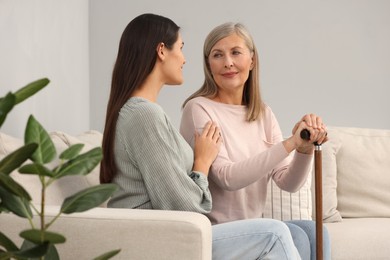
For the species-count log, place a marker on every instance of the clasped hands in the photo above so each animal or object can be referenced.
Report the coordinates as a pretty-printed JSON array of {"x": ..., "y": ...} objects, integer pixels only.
[{"x": 318, "y": 133}]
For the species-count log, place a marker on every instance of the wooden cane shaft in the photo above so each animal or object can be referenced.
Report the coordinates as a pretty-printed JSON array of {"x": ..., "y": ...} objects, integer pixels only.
[{"x": 318, "y": 196}]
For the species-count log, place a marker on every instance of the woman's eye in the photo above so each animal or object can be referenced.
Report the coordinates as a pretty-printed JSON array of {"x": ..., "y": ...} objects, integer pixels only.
[
  {"x": 236, "y": 52},
  {"x": 217, "y": 55}
]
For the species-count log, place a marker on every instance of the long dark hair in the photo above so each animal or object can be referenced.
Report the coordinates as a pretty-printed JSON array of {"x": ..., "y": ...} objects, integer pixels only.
[{"x": 137, "y": 55}]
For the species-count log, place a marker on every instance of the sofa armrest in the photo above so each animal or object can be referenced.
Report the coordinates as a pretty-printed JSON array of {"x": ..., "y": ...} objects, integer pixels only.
[{"x": 140, "y": 234}]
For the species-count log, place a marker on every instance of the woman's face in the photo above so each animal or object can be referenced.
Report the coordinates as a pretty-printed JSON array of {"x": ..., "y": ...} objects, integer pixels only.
[
  {"x": 174, "y": 62},
  {"x": 230, "y": 62}
]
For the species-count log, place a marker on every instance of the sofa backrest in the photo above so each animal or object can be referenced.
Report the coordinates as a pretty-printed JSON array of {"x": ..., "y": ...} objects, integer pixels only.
[
  {"x": 280, "y": 204},
  {"x": 356, "y": 176},
  {"x": 64, "y": 187},
  {"x": 356, "y": 179},
  {"x": 356, "y": 173}
]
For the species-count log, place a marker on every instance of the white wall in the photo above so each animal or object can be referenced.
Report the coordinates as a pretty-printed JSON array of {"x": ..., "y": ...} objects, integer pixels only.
[
  {"x": 46, "y": 38},
  {"x": 327, "y": 57}
]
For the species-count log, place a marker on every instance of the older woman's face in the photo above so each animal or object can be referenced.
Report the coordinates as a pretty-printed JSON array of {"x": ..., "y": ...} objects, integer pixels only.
[{"x": 230, "y": 62}]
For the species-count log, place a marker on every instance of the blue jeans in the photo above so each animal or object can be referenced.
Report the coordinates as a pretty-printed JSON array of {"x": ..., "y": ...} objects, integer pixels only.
[
  {"x": 252, "y": 239},
  {"x": 304, "y": 235}
]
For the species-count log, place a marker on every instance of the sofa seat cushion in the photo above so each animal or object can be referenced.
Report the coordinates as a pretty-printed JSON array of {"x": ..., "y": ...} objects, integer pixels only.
[{"x": 360, "y": 238}]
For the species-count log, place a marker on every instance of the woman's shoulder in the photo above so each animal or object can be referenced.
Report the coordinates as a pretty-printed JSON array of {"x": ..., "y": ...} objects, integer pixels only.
[
  {"x": 267, "y": 110},
  {"x": 142, "y": 106},
  {"x": 141, "y": 110},
  {"x": 197, "y": 101},
  {"x": 268, "y": 115}
]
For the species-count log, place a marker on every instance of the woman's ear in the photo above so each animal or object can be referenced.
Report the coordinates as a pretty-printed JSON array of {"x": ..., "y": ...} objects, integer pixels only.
[
  {"x": 252, "y": 62},
  {"x": 160, "y": 51}
]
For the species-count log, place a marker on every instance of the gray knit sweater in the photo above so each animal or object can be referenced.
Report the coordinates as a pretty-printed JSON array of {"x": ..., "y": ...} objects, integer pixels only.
[{"x": 154, "y": 163}]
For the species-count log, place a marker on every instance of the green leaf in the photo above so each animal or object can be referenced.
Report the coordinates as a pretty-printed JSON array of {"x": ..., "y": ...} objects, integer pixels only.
[
  {"x": 6, "y": 105},
  {"x": 7, "y": 255},
  {"x": 15, "y": 204},
  {"x": 88, "y": 198},
  {"x": 12, "y": 186},
  {"x": 51, "y": 253},
  {"x": 82, "y": 164},
  {"x": 71, "y": 152},
  {"x": 32, "y": 250},
  {"x": 7, "y": 243},
  {"x": 30, "y": 89},
  {"x": 35, "y": 133},
  {"x": 107, "y": 255},
  {"x": 36, "y": 168},
  {"x": 38, "y": 236},
  {"x": 16, "y": 158}
]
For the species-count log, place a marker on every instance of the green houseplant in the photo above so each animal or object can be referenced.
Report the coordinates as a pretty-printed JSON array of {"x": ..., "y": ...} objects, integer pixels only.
[{"x": 32, "y": 158}]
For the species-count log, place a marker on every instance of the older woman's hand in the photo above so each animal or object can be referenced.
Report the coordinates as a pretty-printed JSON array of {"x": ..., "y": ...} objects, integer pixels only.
[{"x": 317, "y": 130}]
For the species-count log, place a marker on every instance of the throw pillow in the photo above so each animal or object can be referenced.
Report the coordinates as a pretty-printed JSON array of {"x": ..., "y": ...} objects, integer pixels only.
[
  {"x": 90, "y": 139},
  {"x": 285, "y": 206}
]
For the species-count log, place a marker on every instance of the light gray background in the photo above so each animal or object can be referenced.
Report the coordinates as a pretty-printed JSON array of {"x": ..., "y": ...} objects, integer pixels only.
[
  {"x": 326, "y": 57},
  {"x": 330, "y": 57}
]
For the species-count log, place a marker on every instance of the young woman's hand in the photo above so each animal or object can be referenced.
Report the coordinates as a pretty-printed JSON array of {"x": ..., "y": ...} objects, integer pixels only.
[
  {"x": 317, "y": 129},
  {"x": 206, "y": 148}
]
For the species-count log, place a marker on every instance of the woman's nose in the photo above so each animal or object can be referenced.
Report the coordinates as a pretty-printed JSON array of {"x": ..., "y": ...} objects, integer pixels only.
[{"x": 228, "y": 63}]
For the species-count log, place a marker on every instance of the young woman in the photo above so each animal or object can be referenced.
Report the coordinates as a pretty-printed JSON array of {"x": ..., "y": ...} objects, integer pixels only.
[
  {"x": 150, "y": 161},
  {"x": 253, "y": 149}
]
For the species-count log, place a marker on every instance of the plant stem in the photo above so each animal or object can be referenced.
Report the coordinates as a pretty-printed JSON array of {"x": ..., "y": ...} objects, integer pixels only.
[
  {"x": 30, "y": 219},
  {"x": 53, "y": 220},
  {"x": 42, "y": 215}
]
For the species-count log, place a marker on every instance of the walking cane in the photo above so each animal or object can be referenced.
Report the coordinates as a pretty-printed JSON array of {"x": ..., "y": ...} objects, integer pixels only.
[{"x": 305, "y": 134}]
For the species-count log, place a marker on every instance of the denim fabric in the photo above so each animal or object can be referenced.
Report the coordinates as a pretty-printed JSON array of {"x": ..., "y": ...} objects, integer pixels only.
[
  {"x": 253, "y": 239},
  {"x": 304, "y": 235}
]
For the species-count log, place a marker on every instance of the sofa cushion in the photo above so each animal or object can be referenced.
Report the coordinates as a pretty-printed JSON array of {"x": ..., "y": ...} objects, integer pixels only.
[
  {"x": 356, "y": 170},
  {"x": 364, "y": 173},
  {"x": 90, "y": 139},
  {"x": 329, "y": 178},
  {"x": 360, "y": 238},
  {"x": 284, "y": 205},
  {"x": 64, "y": 187}
]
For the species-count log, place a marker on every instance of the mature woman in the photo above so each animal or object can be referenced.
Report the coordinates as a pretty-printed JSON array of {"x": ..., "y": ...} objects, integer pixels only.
[{"x": 253, "y": 149}]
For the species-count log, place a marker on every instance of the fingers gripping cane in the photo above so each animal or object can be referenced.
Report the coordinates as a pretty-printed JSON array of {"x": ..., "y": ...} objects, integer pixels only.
[{"x": 305, "y": 134}]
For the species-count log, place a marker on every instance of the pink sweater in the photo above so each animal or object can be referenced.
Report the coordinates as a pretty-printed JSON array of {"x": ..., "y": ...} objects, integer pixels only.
[{"x": 251, "y": 154}]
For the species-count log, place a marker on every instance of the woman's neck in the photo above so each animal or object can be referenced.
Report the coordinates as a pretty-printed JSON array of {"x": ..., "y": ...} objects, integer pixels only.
[
  {"x": 149, "y": 90},
  {"x": 228, "y": 98}
]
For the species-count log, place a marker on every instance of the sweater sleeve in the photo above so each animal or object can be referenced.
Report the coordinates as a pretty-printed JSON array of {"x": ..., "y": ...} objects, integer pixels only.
[
  {"x": 161, "y": 162},
  {"x": 291, "y": 173},
  {"x": 233, "y": 175}
]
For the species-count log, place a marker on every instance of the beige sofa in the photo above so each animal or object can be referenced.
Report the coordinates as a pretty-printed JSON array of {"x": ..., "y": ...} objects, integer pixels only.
[
  {"x": 356, "y": 179},
  {"x": 356, "y": 194},
  {"x": 140, "y": 234}
]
